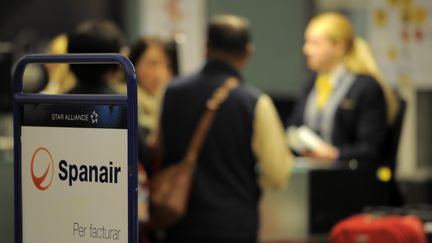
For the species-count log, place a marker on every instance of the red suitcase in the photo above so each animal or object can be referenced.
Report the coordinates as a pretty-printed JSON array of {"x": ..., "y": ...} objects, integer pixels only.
[{"x": 366, "y": 228}]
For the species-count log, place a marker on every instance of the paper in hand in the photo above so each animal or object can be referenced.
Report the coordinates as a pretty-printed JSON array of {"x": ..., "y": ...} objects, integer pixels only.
[{"x": 302, "y": 139}]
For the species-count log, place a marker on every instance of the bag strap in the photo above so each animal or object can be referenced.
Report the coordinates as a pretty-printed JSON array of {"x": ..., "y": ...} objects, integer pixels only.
[{"x": 212, "y": 106}]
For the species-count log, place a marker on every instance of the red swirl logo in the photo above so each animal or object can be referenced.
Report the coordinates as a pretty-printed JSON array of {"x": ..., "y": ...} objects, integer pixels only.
[{"x": 48, "y": 173}]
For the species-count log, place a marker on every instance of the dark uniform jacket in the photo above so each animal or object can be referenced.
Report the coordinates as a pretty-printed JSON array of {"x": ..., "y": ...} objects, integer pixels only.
[{"x": 359, "y": 122}]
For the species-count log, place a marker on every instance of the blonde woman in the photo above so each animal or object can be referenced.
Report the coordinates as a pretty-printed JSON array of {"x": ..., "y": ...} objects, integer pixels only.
[
  {"x": 61, "y": 79},
  {"x": 346, "y": 103}
]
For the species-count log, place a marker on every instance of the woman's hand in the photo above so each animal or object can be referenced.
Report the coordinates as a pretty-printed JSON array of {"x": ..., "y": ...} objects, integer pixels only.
[{"x": 324, "y": 151}]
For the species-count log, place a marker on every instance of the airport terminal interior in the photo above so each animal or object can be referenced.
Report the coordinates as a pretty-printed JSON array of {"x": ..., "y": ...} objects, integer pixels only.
[{"x": 323, "y": 135}]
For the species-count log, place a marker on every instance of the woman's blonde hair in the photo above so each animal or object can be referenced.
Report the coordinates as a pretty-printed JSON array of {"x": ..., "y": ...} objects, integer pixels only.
[
  {"x": 61, "y": 79},
  {"x": 358, "y": 58}
]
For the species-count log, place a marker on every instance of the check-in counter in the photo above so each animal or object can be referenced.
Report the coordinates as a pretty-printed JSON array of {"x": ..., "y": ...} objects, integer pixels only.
[{"x": 318, "y": 196}]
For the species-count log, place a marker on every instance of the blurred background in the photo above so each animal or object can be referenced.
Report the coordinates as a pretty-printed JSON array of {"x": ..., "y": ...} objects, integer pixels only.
[{"x": 399, "y": 32}]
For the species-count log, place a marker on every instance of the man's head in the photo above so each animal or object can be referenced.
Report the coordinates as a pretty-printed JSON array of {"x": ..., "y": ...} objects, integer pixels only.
[
  {"x": 95, "y": 37},
  {"x": 229, "y": 39}
]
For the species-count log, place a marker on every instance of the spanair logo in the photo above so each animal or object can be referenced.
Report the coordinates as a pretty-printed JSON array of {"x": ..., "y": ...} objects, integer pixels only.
[
  {"x": 42, "y": 168},
  {"x": 42, "y": 171}
]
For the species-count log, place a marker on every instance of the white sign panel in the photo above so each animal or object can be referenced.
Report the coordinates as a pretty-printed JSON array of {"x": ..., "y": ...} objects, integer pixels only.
[{"x": 74, "y": 181}]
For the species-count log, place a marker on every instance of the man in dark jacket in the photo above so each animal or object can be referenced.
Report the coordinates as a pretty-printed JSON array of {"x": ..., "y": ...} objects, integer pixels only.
[{"x": 245, "y": 144}]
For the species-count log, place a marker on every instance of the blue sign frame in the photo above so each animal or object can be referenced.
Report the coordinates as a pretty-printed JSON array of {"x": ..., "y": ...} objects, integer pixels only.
[{"x": 130, "y": 100}]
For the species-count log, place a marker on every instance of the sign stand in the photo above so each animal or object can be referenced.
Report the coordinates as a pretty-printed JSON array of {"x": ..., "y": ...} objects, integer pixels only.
[{"x": 75, "y": 160}]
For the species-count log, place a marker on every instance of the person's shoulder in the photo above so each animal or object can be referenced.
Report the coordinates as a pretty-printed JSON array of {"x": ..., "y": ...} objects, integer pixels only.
[
  {"x": 182, "y": 83},
  {"x": 367, "y": 86},
  {"x": 367, "y": 82},
  {"x": 251, "y": 90},
  {"x": 248, "y": 92}
]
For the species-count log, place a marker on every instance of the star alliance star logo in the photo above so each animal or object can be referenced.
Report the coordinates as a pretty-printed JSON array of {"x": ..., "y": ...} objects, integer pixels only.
[{"x": 94, "y": 117}]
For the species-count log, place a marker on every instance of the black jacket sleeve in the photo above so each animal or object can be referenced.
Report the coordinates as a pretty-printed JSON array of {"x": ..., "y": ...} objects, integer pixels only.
[{"x": 371, "y": 123}]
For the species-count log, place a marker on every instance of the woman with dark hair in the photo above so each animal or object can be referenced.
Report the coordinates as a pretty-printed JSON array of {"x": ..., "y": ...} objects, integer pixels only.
[
  {"x": 154, "y": 69},
  {"x": 153, "y": 65}
]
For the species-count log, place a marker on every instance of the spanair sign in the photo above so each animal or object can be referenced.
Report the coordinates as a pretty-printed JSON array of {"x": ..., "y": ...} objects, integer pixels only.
[
  {"x": 75, "y": 160},
  {"x": 74, "y": 178}
]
